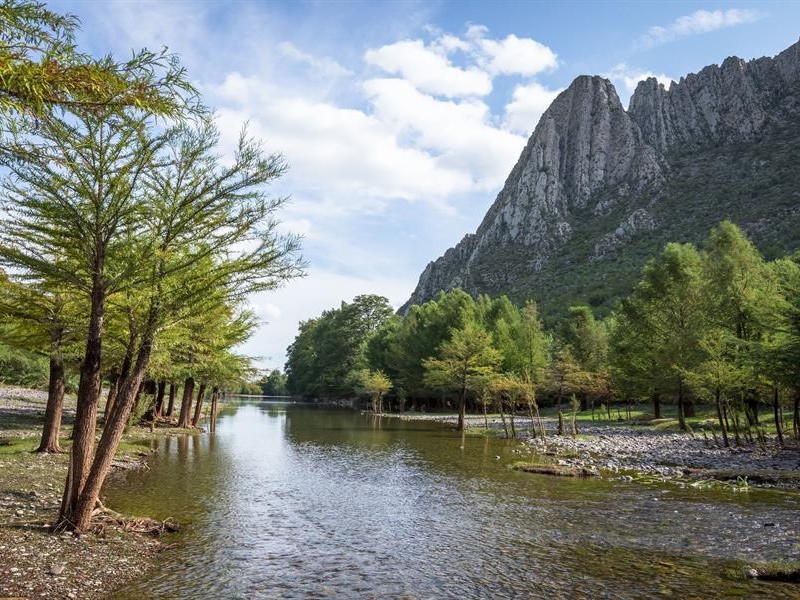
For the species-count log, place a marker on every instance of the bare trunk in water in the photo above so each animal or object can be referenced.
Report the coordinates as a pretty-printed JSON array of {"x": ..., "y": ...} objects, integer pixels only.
[
  {"x": 214, "y": 400},
  {"x": 55, "y": 397},
  {"x": 186, "y": 403},
  {"x": 198, "y": 407},
  {"x": 462, "y": 406}
]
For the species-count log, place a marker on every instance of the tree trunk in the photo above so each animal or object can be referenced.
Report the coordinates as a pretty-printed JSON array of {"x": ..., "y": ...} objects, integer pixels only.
[
  {"x": 503, "y": 416},
  {"x": 89, "y": 387},
  {"x": 214, "y": 399},
  {"x": 462, "y": 407},
  {"x": 173, "y": 391},
  {"x": 751, "y": 410},
  {"x": 113, "y": 385},
  {"x": 721, "y": 419},
  {"x": 159, "y": 407},
  {"x": 201, "y": 394},
  {"x": 485, "y": 416},
  {"x": 109, "y": 441},
  {"x": 55, "y": 397},
  {"x": 681, "y": 415},
  {"x": 688, "y": 407},
  {"x": 186, "y": 403},
  {"x": 796, "y": 415},
  {"x": 656, "y": 406},
  {"x": 776, "y": 408}
]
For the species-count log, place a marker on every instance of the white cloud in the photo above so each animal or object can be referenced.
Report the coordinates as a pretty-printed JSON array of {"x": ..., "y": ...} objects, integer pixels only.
[
  {"x": 527, "y": 105},
  {"x": 458, "y": 133},
  {"x": 517, "y": 56},
  {"x": 630, "y": 77},
  {"x": 701, "y": 21},
  {"x": 306, "y": 298},
  {"x": 429, "y": 69},
  {"x": 333, "y": 149},
  {"x": 324, "y": 65}
]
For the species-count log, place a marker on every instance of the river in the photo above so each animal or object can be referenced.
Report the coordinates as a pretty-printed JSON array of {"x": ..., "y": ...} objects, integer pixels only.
[{"x": 295, "y": 501}]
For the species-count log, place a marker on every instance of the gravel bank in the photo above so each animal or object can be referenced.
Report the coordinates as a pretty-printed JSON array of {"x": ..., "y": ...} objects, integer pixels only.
[
  {"x": 614, "y": 447},
  {"x": 33, "y": 562}
]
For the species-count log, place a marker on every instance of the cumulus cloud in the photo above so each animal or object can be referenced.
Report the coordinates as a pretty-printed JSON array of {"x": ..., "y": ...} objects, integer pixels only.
[
  {"x": 516, "y": 56},
  {"x": 527, "y": 105},
  {"x": 429, "y": 69},
  {"x": 700, "y": 21},
  {"x": 460, "y": 134}
]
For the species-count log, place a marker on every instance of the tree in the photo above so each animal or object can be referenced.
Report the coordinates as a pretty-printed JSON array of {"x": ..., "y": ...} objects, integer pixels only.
[
  {"x": 375, "y": 384},
  {"x": 274, "y": 384},
  {"x": 463, "y": 362},
  {"x": 666, "y": 307},
  {"x": 332, "y": 347},
  {"x": 41, "y": 69}
]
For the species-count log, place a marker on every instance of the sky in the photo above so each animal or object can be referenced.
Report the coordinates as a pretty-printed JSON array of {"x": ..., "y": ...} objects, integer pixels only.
[{"x": 401, "y": 120}]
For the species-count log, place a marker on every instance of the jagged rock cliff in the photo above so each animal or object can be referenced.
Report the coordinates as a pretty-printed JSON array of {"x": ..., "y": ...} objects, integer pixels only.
[{"x": 597, "y": 188}]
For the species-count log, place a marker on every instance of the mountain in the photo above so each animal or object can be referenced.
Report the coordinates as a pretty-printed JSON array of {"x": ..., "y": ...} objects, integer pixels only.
[{"x": 598, "y": 189}]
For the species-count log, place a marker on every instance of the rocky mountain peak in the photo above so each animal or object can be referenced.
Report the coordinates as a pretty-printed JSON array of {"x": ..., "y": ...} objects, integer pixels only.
[{"x": 589, "y": 182}]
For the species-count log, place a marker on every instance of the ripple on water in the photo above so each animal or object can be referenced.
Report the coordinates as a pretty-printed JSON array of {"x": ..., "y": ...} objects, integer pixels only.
[{"x": 294, "y": 502}]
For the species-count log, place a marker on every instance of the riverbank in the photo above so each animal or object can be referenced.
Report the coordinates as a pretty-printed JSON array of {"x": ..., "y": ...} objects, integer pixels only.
[
  {"x": 33, "y": 562},
  {"x": 624, "y": 450}
]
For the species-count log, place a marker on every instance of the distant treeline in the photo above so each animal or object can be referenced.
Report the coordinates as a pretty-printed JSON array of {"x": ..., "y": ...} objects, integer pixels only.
[{"x": 717, "y": 324}]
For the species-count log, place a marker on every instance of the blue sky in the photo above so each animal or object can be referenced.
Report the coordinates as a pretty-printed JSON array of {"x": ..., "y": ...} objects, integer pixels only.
[{"x": 401, "y": 120}]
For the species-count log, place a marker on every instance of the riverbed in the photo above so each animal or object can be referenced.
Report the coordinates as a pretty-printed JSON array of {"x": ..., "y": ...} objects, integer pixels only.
[{"x": 295, "y": 501}]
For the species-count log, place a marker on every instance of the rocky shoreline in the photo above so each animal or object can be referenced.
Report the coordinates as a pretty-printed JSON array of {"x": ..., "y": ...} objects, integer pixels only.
[
  {"x": 33, "y": 562},
  {"x": 623, "y": 450}
]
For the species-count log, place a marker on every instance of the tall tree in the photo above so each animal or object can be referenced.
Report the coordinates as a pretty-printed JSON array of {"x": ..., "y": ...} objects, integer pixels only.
[
  {"x": 666, "y": 307},
  {"x": 462, "y": 363}
]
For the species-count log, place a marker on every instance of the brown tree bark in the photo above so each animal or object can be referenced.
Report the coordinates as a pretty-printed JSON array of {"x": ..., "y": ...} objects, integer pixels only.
[
  {"x": 112, "y": 394},
  {"x": 681, "y": 415},
  {"x": 109, "y": 441},
  {"x": 198, "y": 407},
  {"x": 776, "y": 408},
  {"x": 214, "y": 399},
  {"x": 186, "y": 403},
  {"x": 796, "y": 415},
  {"x": 656, "y": 406},
  {"x": 462, "y": 407},
  {"x": 55, "y": 397},
  {"x": 173, "y": 391},
  {"x": 159, "y": 406},
  {"x": 722, "y": 424},
  {"x": 89, "y": 389}
]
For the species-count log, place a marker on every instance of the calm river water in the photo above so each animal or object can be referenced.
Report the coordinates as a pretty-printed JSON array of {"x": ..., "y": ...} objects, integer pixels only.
[{"x": 293, "y": 501}]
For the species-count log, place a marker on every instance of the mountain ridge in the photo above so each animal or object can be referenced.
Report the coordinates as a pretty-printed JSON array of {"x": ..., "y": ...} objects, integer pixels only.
[{"x": 596, "y": 185}]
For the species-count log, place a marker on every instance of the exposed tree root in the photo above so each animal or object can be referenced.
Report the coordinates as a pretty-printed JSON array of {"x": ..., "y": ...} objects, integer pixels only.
[{"x": 103, "y": 517}]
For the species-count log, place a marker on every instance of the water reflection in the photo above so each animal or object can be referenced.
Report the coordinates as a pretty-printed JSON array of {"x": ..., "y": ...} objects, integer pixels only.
[{"x": 293, "y": 501}]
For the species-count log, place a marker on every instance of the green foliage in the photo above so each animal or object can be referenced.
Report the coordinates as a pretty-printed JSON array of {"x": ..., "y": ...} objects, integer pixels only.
[
  {"x": 274, "y": 384},
  {"x": 330, "y": 348},
  {"x": 463, "y": 362}
]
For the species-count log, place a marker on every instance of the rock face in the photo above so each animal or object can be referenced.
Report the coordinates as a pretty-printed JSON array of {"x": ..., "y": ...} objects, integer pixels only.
[{"x": 597, "y": 188}]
